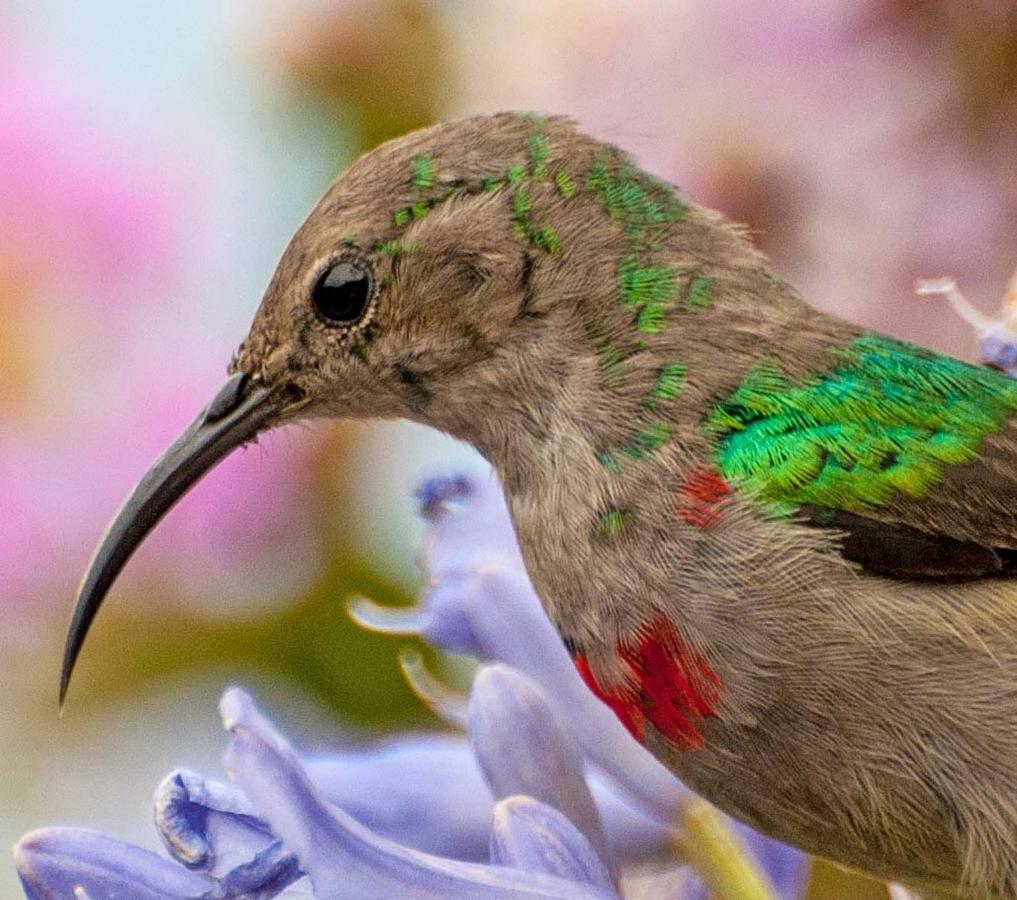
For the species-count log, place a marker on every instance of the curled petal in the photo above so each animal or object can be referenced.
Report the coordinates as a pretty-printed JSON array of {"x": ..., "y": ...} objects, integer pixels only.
[
  {"x": 57, "y": 863},
  {"x": 342, "y": 857},
  {"x": 523, "y": 747},
  {"x": 265, "y": 875},
  {"x": 210, "y": 825},
  {"x": 442, "y": 701},
  {"x": 531, "y": 835}
]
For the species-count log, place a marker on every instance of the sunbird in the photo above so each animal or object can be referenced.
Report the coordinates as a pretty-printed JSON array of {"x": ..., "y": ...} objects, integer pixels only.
[{"x": 781, "y": 547}]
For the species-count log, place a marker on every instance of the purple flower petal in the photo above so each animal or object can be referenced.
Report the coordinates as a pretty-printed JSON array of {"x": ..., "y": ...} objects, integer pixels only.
[
  {"x": 342, "y": 857},
  {"x": 423, "y": 790},
  {"x": 436, "y": 494},
  {"x": 997, "y": 346},
  {"x": 632, "y": 835},
  {"x": 427, "y": 791},
  {"x": 53, "y": 863},
  {"x": 531, "y": 835},
  {"x": 786, "y": 867},
  {"x": 264, "y": 876},
  {"x": 211, "y": 826},
  {"x": 523, "y": 747}
]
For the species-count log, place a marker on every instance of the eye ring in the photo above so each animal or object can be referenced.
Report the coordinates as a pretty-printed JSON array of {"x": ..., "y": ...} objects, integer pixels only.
[{"x": 343, "y": 292}]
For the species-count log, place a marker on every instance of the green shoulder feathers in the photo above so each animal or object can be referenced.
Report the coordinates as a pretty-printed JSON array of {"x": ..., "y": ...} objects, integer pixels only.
[{"x": 885, "y": 419}]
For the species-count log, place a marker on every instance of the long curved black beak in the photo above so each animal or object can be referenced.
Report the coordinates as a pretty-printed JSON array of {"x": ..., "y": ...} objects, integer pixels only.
[{"x": 239, "y": 410}]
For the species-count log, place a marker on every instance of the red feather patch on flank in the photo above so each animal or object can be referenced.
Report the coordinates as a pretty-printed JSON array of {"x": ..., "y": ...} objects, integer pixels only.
[
  {"x": 672, "y": 687},
  {"x": 623, "y": 702},
  {"x": 699, "y": 494}
]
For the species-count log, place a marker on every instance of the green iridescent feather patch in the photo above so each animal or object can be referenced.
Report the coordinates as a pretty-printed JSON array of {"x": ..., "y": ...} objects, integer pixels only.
[
  {"x": 698, "y": 296},
  {"x": 519, "y": 178},
  {"x": 669, "y": 384},
  {"x": 566, "y": 186},
  {"x": 423, "y": 175},
  {"x": 643, "y": 207},
  {"x": 538, "y": 155},
  {"x": 614, "y": 522},
  {"x": 648, "y": 439},
  {"x": 883, "y": 421}
]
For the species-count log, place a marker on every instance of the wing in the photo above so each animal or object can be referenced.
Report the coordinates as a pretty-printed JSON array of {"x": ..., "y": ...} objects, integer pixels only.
[{"x": 911, "y": 454}]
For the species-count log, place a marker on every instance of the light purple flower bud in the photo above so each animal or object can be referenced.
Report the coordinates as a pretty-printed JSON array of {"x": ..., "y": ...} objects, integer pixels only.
[
  {"x": 523, "y": 747},
  {"x": 534, "y": 836},
  {"x": 63, "y": 863},
  {"x": 342, "y": 857}
]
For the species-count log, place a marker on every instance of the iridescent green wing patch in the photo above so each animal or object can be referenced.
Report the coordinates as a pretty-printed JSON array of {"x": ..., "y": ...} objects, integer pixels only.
[{"x": 886, "y": 420}]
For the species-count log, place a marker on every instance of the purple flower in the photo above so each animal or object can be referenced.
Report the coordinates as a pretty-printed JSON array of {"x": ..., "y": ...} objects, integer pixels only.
[
  {"x": 530, "y": 805},
  {"x": 340, "y": 856},
  {"x": 57, "y": 863},
  {"x": 275, "y": 827}
]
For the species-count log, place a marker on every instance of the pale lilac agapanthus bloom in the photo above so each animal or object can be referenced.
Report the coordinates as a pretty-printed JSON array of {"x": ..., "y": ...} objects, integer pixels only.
[
  {"x": 274, "y": 832},
  {"x": 529, "y": 803}
]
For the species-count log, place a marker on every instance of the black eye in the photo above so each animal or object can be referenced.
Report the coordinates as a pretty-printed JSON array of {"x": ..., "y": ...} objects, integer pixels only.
[{"x": 343, "y": 292}]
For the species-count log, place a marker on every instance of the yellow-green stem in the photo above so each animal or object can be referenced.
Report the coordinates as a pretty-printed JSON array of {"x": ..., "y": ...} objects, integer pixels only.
[{"x": 711, "y": 848}]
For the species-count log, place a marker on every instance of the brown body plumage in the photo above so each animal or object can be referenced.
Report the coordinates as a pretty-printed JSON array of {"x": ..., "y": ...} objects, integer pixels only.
[{"x": 849, "y": 675}]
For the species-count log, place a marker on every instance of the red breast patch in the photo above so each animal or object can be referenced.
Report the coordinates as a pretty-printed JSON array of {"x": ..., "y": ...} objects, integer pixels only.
[
  {"x": 699, "y": 494},
  {"x": 672, "y": 687}
]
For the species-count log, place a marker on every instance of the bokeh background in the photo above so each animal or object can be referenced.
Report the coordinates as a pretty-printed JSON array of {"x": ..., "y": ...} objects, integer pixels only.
[{"x": 154, "y": 159}]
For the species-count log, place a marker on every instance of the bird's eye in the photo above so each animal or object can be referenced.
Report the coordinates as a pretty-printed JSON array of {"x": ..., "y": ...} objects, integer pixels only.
[{"x": 343, "y": 292}]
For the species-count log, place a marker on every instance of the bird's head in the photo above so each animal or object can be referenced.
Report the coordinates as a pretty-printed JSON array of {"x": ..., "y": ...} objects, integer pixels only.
[
  {"x": 413, "y": 280},
  {"x": 418, "y": 287},
  {"x": 479, "y": 276}
]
